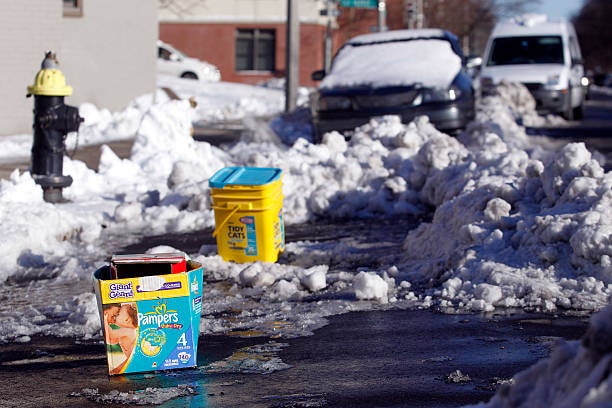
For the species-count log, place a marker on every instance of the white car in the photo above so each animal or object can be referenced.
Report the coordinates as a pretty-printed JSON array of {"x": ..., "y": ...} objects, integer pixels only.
[
  {"x": 544, "y": 56},
  {"x": 171, "y": 61}
]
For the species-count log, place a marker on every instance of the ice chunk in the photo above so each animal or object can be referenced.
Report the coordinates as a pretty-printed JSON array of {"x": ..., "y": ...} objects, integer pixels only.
[{"x": 368, "y": 285}]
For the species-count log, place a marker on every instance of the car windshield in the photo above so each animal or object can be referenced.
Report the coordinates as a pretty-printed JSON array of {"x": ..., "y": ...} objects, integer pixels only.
[
  {"x": 429, "y": 62},
  {"x": 526, "y": 50}
]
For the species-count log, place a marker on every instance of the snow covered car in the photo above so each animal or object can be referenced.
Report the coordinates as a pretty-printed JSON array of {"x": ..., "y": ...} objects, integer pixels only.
[
  {"x": 171, "y": 61},
  {"x": 404, "y": 72}
]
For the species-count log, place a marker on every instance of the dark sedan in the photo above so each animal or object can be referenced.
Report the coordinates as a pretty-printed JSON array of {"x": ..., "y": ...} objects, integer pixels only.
[{"x": 405, "y": 72}]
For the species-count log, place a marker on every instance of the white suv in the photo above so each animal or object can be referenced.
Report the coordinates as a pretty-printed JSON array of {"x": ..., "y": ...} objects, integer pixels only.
[
  {"x": 171, "y": 61},
  {"x": 542, "y": 55}
]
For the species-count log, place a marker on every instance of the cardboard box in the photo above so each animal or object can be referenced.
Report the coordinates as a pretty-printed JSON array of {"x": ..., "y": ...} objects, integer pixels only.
[
  {"x": 150, "y": 322},
  {"x": 132, "y": 266}
]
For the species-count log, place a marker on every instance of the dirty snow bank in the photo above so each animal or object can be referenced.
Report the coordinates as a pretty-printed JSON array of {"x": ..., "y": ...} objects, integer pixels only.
[
  {"x": 577, "y": 374},
  {"x": 514, "y": 225}
]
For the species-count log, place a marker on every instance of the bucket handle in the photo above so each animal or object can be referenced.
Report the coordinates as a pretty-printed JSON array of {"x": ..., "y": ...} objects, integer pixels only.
[{"x": 225, "y": 220}]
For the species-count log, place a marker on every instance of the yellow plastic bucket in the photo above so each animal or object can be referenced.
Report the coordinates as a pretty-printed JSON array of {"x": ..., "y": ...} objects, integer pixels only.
[{"x": 248, "y": 206}]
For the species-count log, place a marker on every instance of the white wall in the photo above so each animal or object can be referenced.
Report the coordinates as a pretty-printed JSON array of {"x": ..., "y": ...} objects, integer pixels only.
[
  {"x": 223, "y": 11},
  {"x": 108, "y": 55},
  {"x": 27, "y": 32}
]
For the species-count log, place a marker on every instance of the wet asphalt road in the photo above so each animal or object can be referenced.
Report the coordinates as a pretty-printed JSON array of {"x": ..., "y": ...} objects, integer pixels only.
[
  {"x": 401, "y": 359},
  {"x": 395, "y": 358}
]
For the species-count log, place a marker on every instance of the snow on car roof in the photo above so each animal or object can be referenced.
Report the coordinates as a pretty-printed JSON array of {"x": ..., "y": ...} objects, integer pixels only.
[
  {"x": 430, "y": 62},
  {"x": 397, "y": 35},
  {"x": 531, "y": 25}
]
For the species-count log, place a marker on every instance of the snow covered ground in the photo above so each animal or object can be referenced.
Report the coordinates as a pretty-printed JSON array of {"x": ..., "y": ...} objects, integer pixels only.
[{"x": 518, "y": 222}]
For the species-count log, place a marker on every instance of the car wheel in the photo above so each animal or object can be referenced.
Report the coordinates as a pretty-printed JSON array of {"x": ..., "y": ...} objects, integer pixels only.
[
  {"x": 568, "y": 113},
  {"x": 579, "y": 112},
  {"x": 189, "y": 75}
]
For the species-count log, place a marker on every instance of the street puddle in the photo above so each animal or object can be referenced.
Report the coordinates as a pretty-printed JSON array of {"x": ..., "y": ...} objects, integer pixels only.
[{"x": 257, "y": 359}]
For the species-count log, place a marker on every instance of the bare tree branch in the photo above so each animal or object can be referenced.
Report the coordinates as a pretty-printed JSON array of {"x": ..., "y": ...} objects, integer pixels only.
[{"x": 592, "y": 25}]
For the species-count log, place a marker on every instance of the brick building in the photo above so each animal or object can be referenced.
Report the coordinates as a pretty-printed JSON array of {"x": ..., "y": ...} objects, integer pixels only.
[
  {"x": 107, "y": 57},
  {"x": 246, "y": 39}
]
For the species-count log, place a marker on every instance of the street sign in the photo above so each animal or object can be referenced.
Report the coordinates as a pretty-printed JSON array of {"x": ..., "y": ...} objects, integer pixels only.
[{"x": 373, "y": 4}]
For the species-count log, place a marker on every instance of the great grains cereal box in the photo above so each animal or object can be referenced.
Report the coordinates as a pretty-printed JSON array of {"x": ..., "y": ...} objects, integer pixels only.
[{"x": 150, "y": 322}]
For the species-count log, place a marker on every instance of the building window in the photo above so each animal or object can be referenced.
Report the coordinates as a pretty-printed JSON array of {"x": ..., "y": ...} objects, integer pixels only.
[
  {"x": 255, "y": 50},
  {"x": 73, "y": 8}
]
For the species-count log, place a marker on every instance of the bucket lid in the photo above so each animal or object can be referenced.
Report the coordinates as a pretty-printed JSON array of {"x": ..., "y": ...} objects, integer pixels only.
[{"x": 245, "y": 176}]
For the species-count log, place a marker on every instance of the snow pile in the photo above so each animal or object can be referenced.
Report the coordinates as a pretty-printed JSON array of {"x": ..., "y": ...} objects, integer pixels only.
[
  {"x": 577, "y": 374},
  {"x": 522, "y": 105},
  {"x": 511, "y": 229},
  {"x": 101, "y": 125},
  {"x": 224, "y": 101},
  {"x": 36, "y": 227}
]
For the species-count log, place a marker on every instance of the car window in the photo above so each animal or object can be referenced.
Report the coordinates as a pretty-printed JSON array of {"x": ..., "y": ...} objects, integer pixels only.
[
  {"x": 163, "y": 53},
  {"x": 526, "y": 50}
]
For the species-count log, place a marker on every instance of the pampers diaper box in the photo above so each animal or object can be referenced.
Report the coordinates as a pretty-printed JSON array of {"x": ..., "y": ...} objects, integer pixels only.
[{"x": 150, "y": 308}]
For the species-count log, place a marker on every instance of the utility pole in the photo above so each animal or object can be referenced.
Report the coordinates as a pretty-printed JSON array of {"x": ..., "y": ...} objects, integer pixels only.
[
  {"x": 292, "y": 56},
  {"x": 327, "y": 56},
  {"x": 414, "y": 13},
  {"x": 410, "y": 13},
  {"x": 382, "y": 15},
  {"x": 420, "y": 15}
]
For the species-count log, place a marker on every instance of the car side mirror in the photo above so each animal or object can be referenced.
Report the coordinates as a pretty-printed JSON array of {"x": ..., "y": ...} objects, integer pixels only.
[
  {"x": 472, "y": 65},
  {"x": 174, "y": 57},
  {"x": 318, "y": 75},
  {"x": 577, "y": 61},
  {"x": 473, "y": 62}
]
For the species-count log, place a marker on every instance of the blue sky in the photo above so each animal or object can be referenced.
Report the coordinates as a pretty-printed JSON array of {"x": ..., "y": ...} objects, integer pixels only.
[{"x": 559, "y": 8}]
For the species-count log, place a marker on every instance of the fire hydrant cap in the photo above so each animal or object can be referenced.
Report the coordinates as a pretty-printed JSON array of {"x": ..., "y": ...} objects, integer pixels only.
[{"x": 50, "y": 82}]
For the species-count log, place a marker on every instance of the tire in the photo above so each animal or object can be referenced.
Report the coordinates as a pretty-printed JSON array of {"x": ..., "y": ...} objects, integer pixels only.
[
  {"x": 568, "y": 113},
  {"x": 579, "y": 112},
  {"x": 189, "y": 75}
]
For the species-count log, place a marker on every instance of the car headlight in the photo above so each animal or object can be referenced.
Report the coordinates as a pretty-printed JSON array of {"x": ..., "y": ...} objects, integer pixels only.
[
  {"x": 454, "y": 92},
  {"x": 334, "y": 103},
  {"x": 553, "y": 80},
  {"x": 584, "y": 81},
  {"x": 439, "y": 95}
]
